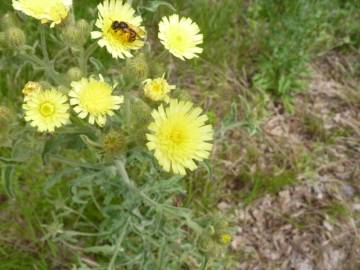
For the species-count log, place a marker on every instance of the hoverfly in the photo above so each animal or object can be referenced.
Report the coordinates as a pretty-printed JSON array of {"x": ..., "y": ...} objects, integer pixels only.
[{"x": 127, "y": 31}]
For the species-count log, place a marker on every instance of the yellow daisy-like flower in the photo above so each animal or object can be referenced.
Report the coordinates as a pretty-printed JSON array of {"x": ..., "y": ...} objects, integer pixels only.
[
  {"x": 158, "y": 89},
  {"x": 46, "y": 109},
  {"x": 225, "y": 238},
  {"x": 179, "y": 135},
  {"x": 92, "y": 97},
  {"x": 53, "y": 11},
  {"x": 121, "y": 29},
  {"x": 181, "y": 36}
]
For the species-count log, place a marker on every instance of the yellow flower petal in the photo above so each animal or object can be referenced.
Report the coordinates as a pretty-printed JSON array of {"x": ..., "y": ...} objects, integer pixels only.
[
  {"x": 94, "y": 98},
  {"x": 181, "y": 36},
  {"x": 117, "y": 41},
  {"x": 178, "y": 136},
  {"x": 46, "y": 109},
  {"x": 158, "y": 89},
  {"x": 53, "y": 11}
]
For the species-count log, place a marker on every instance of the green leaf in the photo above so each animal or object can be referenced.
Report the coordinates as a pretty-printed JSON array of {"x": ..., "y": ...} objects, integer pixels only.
[
  {"x": 75, "y": 163},
  {"x": 7, "y": 175},
  {"x": 105, "y": 250},
  {"x": 208, "y": 168},
  {"x": 50, "y": 145},
  {"x": 10, "y": 161},
  {"x": 90, "y": 142},
  {"x": 57, "y": 177},
  {"x": 96, "y": 63}
]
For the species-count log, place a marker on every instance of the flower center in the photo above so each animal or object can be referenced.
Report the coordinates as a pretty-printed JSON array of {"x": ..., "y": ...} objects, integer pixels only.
[
  {"x": 47, "y": 109},
  {"x": 156, "y": 87},
  {"x": 96, "y": 98},
  {"x": 176, "y": 136},
  {"x": 178, "y": 40}
]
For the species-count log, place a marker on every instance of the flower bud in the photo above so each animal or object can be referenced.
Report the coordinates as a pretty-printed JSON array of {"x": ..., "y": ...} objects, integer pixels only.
[
  {"x": 84, "y": 27},
  {"x": 74, "y": 74},
  {"x": 114, "y": 143},
  {"x": 73, "y": 36},
  {"x": 15, "y": 37},
  {"x": 225, "y": 238},
  {"x": 31, "y": 87},
  {"x": 138, "y": 67}
]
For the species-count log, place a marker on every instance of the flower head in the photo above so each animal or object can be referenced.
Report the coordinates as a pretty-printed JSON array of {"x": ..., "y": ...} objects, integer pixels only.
[
  {"x": 93, "y": 97},
  {"x": 225, "y": 238},
  {"x": 178, "y": 136},
  {"x": 181, "y": 36},
  {"x": 31, "y": 87},
  {"x": 158, "y": 89},
  {"x": 53, "y": 11},
  {"x": 15, "y": 37},
  {"x": 120, "y": 29},
  {"x": 46, "y": 109}
]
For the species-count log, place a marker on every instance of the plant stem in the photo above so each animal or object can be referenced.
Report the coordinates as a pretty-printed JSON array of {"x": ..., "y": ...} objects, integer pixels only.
[
  {"x": 43, "y": 44},
  {"x": 130, "y": 184},
  {"x": 171, "y": 210},
  {"x": 90, "y": 50},
  {"x": 46, "y": 63},
  {"x": 82, "y": 62},
  {"x": 118, "y": 245}
]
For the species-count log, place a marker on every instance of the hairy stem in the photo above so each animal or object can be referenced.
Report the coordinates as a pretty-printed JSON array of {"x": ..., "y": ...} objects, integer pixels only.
[{"x": 169, "y": 209}]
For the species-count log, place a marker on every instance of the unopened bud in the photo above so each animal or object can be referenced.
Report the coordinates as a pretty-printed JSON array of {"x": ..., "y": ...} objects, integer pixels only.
[
  {"x": 225, "y": 238},
  {"x": 74, "y": 74},
  {"x": 84, "y": 27},
  {"x": 73, "y": 36},
  {"x": 31, "y": 87},
  {"x": 138, "y": 67},
  {"x": 114, "y": 143},
  {"x": 15, "y": 37}
]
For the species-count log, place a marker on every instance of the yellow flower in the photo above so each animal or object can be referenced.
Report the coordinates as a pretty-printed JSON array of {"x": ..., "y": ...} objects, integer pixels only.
[
  {"x": 225, "y": 238},
  {"x": 178, "y": 136},
  {"x": 118, "y": 41},
  {"x": 46, "y": 109},
  {"x": 158, "y": 89},
  {"x": 31, "y": 87},
  {"x": 92, "y": 97},
  {"x": 181, "y": 36},
  {"x": 53, "y": 11}
]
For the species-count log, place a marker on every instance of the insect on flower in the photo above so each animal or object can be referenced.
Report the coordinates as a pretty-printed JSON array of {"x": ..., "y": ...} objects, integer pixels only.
[
  {"x": 125, "y": 31},
  {"x": 119, "y": 28}
]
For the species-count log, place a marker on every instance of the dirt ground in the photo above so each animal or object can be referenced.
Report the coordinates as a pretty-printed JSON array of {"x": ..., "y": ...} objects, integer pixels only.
[{"x": 313, "y": 224}]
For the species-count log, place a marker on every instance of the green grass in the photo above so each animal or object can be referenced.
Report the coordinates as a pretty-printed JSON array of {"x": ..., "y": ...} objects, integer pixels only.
[
  {"x": 58, "y": 209},
  {"x": 262, "y": 183}
]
